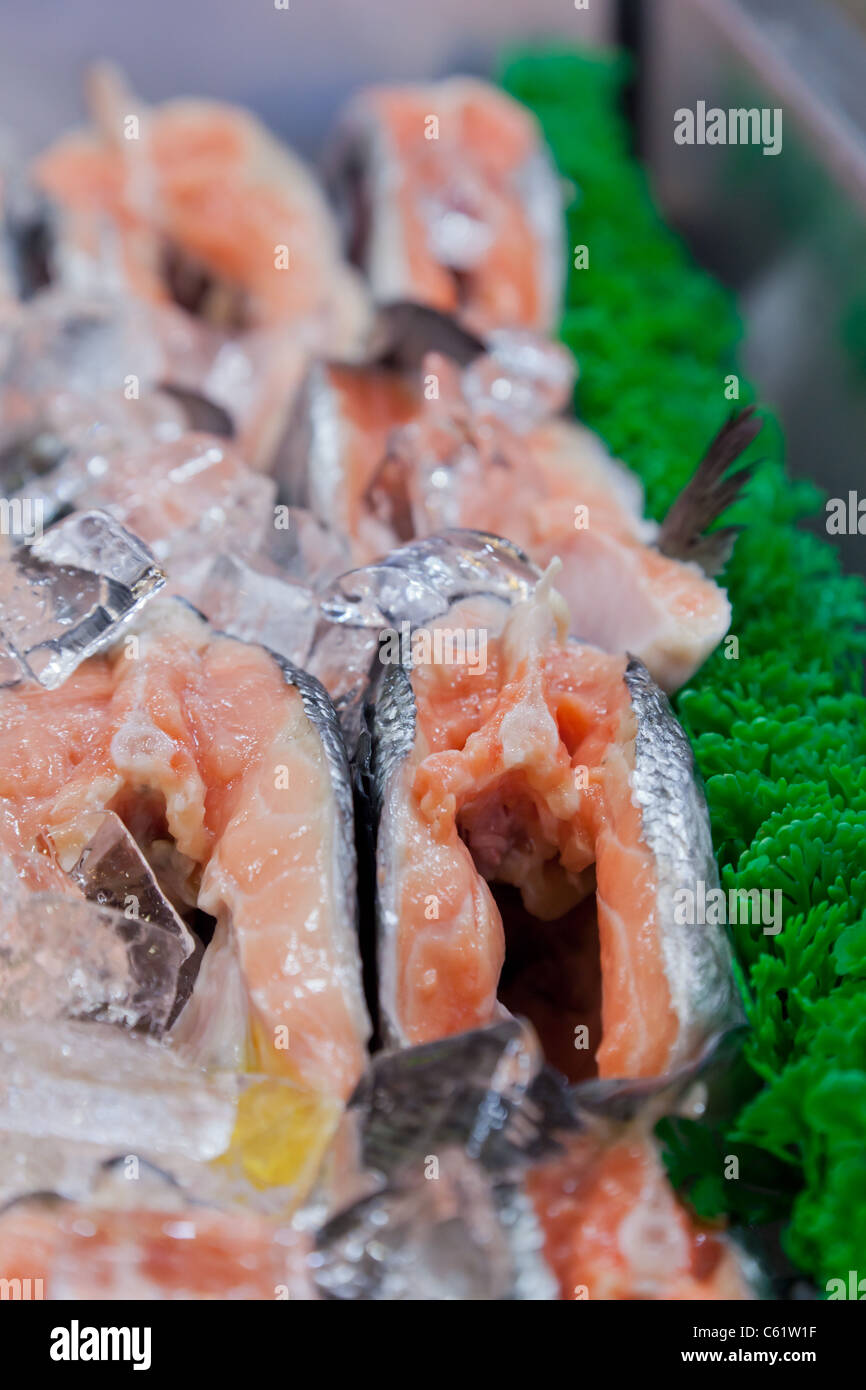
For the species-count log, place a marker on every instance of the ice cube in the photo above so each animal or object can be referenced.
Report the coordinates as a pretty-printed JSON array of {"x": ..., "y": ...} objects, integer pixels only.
[
  {"x": 68, "y": 594},
  {"x": 62, "y": 957},
  {"x": 99, "y": 1085},
  {"x": 342, "y": 659},
  {"x": 305, "y": 549},
  {"x": 424, "y": 1192},
  {"x": 80, "y": 343},
  {"x": 112, "y": 871},
  {"x": 82, "y": 381},
  {"x": 474, "y": 1090},
  {"x": 80, "y": 1095},
  {"x": 437, "y": 1240},
  {"x": 189, "y": 499},
  {"x": 419, "y": 581},
  {"x": 523, "y": 379},
  {"x": 249, "y": 599}
]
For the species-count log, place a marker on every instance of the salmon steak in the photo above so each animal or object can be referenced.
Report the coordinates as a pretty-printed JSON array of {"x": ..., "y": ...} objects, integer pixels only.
[
  {"x": 232, "y": 762},
  {"x": 222, "y": 231},
  {"x": 390, "y": 454},
  {"x": 559, "y": 771},
  {"x": 449, "y": 199}
]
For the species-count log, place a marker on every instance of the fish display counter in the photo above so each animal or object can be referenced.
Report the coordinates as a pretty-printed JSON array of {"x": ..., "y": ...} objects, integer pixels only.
[{"x": 432, "y": 792}]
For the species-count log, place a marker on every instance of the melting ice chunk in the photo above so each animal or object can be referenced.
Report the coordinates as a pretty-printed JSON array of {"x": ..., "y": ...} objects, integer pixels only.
[
  {"x": 68, "y": 594},
  {"x": 267, "y": 592},
  {"x": 474, "y": 1090},
  {"x": 188, "y": 499},
  {"x": 425, "y": 1195},
  {"x": 420, "y": 581},
  {"x": 62, "y": 457},
  {"x": 61, "y": 957},
  {"x": 305, "y": 549},
  {"x": 112, "y": 871},
  {"x": 522, "y": 379},
  {"x": 89, "y": 1083},
  {"x": 342, "y": 659},
  {"x": 79, "y": 343},
  {"x": 433, "y": 1240},
  {"x": 77, "y": 1095},
  {"x": 248, "y": 599}
]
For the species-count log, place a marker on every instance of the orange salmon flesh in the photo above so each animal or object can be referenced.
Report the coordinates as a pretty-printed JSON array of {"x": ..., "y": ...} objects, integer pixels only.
[
  {"x": 554, "y": 491},
  {"x": 471, "y": 159},
  {"x": 521, "y": 774},
  {"x": 209, "y": 727},
  {"x": 614, "y": 1229},
  {"x": 86, "y": 1252}
]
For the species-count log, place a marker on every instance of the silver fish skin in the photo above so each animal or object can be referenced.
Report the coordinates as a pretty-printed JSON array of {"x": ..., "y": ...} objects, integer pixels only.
[
  {"x": 403, "y": 332},
  {"x": 704, "y": 1080},
  {"x": 393, "y": 730},
  {"x": 320, "y": 711},
  {"x": 27, "y": 231},
  {"x": 676, "y": 827},
  {"x": 391, "y": 741},
  {"x": 307, "y": 461},
  {"x": 203, "y": 415}
]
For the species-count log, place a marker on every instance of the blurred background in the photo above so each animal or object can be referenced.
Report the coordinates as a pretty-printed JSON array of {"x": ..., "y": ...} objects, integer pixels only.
[{"x": 788, "y": 234}]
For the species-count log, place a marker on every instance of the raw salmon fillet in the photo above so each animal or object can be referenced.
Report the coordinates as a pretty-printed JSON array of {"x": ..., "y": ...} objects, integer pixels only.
[
  {"x": 223, "y": 232},
  {"x": 557, "y": 769},
  {"x": 204, "y": 736},
  {"x": 384, "y": 462},
  {"x": 451, "y": 201},
  {"x": 88, "y": 1252},
  {"x": 614, "y": 1229}
]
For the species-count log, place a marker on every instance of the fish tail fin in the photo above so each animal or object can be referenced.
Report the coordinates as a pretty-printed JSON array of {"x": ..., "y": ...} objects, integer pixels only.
[{"x": 710, "y": 492}]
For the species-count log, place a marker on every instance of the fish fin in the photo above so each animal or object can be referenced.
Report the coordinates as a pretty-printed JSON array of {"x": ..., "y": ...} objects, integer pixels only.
[
  {"x": 651, "y": 1098},
  {"x": 202, "y": 414},
  {"x": 404, "y": 332},
  {"x": 709, "y": 493}
]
